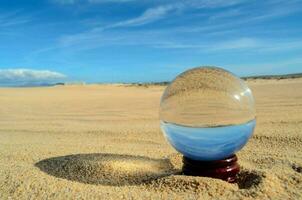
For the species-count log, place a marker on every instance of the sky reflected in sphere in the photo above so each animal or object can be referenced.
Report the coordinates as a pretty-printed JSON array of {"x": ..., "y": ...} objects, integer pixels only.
[{"x": 208, "y": 143}]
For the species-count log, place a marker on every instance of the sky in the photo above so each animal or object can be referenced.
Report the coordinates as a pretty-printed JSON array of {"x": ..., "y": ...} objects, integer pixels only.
[{"x": 145, "y": 40}]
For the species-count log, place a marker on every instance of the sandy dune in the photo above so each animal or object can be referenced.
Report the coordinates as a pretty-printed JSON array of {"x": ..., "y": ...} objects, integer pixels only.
[{"x": 104, "y": 142}]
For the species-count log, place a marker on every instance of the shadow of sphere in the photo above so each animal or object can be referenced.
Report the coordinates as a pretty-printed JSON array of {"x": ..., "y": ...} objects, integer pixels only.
[{"x": 106, "y": 169}]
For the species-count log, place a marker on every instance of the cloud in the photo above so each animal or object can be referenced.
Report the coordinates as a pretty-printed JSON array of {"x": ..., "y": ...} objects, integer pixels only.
[
  {"x": 150, "y": 15},
  {"x": 65, "y": 2},
  {"x": 12, "y": 18},
  {"x": 273, "y": 67},
  {"x": 70, "y": 2},
  {"x": 20, "y": 77},
  {"x": 241, "y": 43},
  {"x": 258, "y": 45},
  {"x": 213, "y": 3},
  {"x": 106, "y": 1},
  {"x": 191, "y": 3},
  {"x": 235, "y": 44},
  {"x": 231, "y": 21},
  {"x": 227, "y": 14}
]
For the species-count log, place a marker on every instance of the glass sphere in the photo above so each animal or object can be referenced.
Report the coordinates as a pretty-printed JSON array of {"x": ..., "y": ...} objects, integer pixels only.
[{"x": 207, "y": 113}]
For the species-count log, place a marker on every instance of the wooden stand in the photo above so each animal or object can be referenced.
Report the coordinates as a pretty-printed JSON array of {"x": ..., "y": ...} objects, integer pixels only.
[{"x": 225, "y": 169}]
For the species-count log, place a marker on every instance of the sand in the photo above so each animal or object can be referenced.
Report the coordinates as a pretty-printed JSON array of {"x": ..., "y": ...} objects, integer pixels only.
[
  {"x": 207, "y": 97},
  {"x": 104, "y": 142}
]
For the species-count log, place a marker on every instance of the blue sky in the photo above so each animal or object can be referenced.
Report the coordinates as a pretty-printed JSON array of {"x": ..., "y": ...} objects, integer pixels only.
[{"x": 146, "y": 40}]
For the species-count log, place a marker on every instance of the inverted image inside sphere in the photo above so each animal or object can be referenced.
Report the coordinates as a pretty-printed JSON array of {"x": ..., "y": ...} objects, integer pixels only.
[
  {"x": 207, "y": 97},
  {"x": 211, "y": 143}
]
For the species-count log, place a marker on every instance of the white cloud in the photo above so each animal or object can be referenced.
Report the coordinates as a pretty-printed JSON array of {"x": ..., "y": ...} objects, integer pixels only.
[
  {"x": 241, "y": 43},
  {"x": 213, "y": 3},
  {"x": 235, "y": 44},
  {"x": 19, "y": 77},
  {"x": 276, "y": 66},
  {"x": 211, "y": 25},
  {"x": 226, "y": 14},
  {"x": 64, "y": 2},
  {"x": 259, "y": 45},
  {"x": 105, "y": 1},
  {"x": 150, "y": 15},
  {"x": 12, "y": 18},
  {"x": 70, "y": 2},
  {"x": 192, "y": 3}
]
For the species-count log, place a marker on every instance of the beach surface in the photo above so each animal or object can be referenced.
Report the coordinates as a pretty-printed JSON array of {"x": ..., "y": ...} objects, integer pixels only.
[{"x": 104, "y": 142}]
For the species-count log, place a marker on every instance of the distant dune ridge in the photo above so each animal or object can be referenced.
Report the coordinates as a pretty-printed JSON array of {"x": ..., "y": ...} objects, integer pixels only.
[{"x": 104, "y": 142}]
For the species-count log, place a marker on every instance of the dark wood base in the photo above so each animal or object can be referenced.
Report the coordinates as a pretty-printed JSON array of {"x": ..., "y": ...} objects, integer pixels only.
[{"x": 225, "y": 169}]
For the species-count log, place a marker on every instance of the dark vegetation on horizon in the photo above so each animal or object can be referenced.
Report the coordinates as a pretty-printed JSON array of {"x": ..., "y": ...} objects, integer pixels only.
[
  {"x": 278, "y": 77},
  {"x": 265, "y": 77}
]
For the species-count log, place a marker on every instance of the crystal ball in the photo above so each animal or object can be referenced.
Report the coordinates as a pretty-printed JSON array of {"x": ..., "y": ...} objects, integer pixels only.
[{"x": 207, "y": 113}]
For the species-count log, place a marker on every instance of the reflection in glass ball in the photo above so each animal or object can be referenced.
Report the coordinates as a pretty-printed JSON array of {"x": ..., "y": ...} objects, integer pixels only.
[{"x": 207, "y": 113}]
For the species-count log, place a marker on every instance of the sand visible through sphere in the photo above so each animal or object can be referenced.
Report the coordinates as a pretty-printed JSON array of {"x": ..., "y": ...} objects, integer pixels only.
[{"x": 207, "y": 97}]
